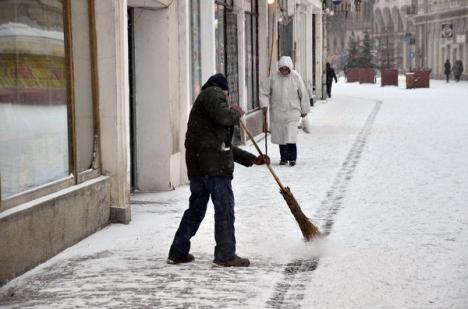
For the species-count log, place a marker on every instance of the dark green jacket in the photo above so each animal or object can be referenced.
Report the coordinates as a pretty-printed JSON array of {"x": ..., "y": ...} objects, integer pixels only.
[{"x": 208, "y": 139}]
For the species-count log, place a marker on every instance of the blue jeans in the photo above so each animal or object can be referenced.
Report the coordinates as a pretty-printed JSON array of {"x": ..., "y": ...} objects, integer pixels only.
[
  {"x": 288, "y": 152},
  {"x": 220, "y": 190}
]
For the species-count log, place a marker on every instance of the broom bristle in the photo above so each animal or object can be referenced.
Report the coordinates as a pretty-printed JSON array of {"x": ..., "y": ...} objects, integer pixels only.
[{"x": 309, "y": 231}]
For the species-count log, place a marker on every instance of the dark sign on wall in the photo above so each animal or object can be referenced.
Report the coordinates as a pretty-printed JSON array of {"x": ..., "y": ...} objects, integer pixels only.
[{"x": 447, "y": 31}]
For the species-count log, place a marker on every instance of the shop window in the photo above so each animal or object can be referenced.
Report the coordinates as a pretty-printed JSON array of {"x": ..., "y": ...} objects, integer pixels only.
[
  {"x": 285, "y": 31},
  {"x": 34, "y": 148},
  {"x": 47, "y": 128}
]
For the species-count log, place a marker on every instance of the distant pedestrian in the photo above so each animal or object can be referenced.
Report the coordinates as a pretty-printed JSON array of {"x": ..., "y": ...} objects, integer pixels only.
[
  {"x": 447, "y": 70},
  {"x": 330, "y": 75},
  {"x": 210, "y": 158},
  {"x": 457, "y": 70},
  {"x": 285, "y": 93}
]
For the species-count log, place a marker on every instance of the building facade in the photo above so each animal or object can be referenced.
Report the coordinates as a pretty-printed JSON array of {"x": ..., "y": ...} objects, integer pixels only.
[
  {"x": 407, "y": 34},
  {"x": 53, "y": 191},
  {"x": 393, "y": 31},
  {"x": 441, "y": 34},
  {"x": 95, "y": 97},
  {"x": 346, "y": 22}
]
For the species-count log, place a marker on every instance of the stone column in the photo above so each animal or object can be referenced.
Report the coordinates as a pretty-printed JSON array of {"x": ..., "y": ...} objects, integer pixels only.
[{"x": 112, "y": 58}]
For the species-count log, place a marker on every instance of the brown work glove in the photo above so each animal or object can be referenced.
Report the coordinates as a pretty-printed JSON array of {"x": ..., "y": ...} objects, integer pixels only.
[
  {"x": 238, "y": 109},
  {"x": 262, "y": 159}
]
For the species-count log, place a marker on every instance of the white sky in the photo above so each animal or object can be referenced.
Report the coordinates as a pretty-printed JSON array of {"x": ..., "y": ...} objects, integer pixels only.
[{"x": 391, "y": 177}]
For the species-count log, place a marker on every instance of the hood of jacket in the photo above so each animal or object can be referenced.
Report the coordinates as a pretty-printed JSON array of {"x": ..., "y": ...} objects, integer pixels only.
[
  {"x": 217, "y": 80},
  {"x": 286, "y": 61}
]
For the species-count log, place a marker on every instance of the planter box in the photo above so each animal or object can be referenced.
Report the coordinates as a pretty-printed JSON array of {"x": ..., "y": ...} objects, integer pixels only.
[
  {"x": 389, "y": 77},
  {"x": 361, "y": 75},
  {"x": 367, "y": 76},
  {"x": 352, "y": 75},
  {"x": 417, "y": 79}
]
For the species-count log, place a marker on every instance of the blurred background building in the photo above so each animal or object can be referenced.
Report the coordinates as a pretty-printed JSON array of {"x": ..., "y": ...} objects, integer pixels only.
[
  {"x": 346, "y": 22},
  {"x": 441, "y": 31},
  {"x": 406, "y": 34}
]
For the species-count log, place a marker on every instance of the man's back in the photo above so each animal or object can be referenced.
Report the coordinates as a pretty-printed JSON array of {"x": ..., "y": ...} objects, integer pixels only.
[{"x": 330, "y": 75}]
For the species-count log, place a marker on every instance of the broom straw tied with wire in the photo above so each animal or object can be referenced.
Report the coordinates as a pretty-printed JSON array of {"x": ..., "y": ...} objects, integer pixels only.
[{"x": 309, "y": 231}]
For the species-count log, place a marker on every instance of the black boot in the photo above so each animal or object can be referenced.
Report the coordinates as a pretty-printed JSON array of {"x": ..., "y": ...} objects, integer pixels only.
[
  {"x": 236, "y": 261},
  {"x": 180, "y": 259}
]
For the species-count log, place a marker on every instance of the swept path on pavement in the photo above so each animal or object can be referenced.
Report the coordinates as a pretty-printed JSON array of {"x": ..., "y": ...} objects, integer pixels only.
[{"x": 325, "y": 215}]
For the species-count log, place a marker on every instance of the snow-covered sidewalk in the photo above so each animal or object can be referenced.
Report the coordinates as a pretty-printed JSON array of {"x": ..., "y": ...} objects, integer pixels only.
[{"x": 384, "y": 173}]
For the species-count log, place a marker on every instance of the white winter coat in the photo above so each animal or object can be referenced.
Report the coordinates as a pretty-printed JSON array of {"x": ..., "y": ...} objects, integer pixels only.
[{"x": 287, "y": 98}]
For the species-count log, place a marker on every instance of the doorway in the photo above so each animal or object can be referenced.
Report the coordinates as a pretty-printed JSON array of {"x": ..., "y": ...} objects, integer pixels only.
[
  {"x": 153, "y": 133},
  {"x": 314, "y": 53},
  {"x": 132, "y": 103}
]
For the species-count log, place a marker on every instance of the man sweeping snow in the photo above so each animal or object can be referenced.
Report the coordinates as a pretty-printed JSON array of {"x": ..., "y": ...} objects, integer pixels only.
[{"x": 210, "y": 158}]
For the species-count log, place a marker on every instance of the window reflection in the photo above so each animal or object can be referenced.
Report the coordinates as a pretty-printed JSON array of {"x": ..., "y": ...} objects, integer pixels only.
[{"x": 33, "y": 96}]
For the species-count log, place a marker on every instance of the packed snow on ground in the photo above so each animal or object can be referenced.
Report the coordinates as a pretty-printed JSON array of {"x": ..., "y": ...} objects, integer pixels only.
[{"x": 384, "y": 174}]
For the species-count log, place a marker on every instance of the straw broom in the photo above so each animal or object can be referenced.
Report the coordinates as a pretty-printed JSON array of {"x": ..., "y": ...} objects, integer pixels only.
[{"x": 309, "y": 231}]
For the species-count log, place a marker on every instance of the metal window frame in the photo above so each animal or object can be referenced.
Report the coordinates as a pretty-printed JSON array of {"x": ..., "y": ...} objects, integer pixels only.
[{"x": 74, "y": 177}]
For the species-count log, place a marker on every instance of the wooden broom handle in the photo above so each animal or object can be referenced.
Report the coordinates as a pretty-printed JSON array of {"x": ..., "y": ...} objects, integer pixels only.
[{"x": 244, "y": 127}]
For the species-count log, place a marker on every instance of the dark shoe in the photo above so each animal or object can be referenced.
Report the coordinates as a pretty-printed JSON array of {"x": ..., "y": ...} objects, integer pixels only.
[
  {"x": 292, "y": 163},
  {"x": 283, "y": 162},
  {"x": 180, "y": 259},
  {"x": 236, "y": 261}
]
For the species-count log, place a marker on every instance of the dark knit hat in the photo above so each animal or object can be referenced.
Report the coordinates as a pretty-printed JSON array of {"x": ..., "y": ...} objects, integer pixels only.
[{"x": 217, "y": 80}]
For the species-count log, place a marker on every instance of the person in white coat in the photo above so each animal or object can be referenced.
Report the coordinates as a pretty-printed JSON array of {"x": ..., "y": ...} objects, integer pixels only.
[{"x": 285, "y": 94}]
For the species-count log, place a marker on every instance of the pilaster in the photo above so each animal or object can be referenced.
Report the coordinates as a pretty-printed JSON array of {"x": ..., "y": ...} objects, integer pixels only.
[{"x": 112, "y": 56}]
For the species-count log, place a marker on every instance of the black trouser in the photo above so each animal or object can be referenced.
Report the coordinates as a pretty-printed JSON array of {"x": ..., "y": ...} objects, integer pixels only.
[
  {"x": 447, "y": 77},
  {"x": 220, "y": 190},
  {"x": 329, "y": 86},
  {"x": 288, "y": 152}
]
